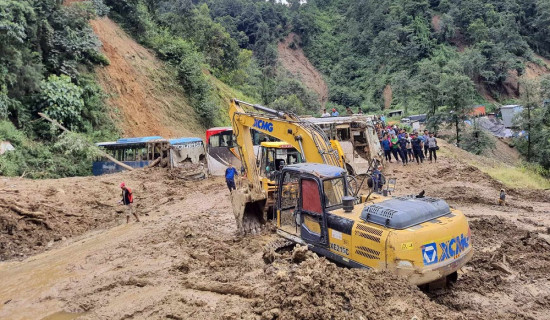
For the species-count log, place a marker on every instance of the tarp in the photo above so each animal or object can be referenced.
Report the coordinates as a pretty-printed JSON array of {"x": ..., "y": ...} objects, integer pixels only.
[
  {"x": 478, "y": 111},
  {"x": 184, "y": 140},
  {"x": 495, "y": 127},
  {"x": 139, "y": 139},
  {"x": 5, "y": 146}
]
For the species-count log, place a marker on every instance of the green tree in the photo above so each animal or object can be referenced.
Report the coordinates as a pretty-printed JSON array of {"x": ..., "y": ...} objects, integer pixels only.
[
  {"x": 535, "y": 120},
  {"x": 531, "y": 98},
  {"x": 476, "y": 140},
  {"x": 289, "y": 103},
  {"x": 456, "y": 95},
  {"x": 62, "y": 100}
]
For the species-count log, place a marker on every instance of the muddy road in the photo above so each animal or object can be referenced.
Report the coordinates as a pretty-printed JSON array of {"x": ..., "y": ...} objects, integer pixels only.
[{"x": 184, "y": 260}]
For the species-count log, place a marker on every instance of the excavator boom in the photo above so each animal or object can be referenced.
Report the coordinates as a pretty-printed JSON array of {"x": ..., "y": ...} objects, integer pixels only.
[{"x": 248, "y": 202}]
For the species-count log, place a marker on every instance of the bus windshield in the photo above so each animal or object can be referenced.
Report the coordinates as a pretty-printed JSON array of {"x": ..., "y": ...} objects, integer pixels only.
[{"x": 222, "y": 139}]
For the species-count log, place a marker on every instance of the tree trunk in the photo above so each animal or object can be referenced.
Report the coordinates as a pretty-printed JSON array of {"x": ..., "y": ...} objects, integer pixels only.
[
  {"x": 105, "y": 154},
  {"x": 457, "y": 133},
  {"x": 528, "y": 133}
]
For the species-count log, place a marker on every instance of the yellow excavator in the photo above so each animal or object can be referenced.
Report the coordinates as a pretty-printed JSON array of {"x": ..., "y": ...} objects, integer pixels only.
[
  {"x": 253, "y": 202},
  {"x": 415, "y": 236}
]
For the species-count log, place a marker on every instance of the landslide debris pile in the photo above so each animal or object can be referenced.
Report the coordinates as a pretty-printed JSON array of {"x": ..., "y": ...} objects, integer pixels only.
[
  {"x": 34, "y": 215},
  {"x": 510, "y": 267},
  {"x": 319, "y": 289}
]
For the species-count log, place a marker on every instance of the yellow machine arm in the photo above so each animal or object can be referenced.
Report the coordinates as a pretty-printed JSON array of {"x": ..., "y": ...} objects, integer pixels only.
[
  {"x": 306, "y": 137},
  {"x": 303, "y": 135}
]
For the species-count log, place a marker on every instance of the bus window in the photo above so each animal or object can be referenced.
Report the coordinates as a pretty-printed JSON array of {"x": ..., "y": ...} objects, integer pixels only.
[
  {"x": 343, "y": 134},
  {"x": 223, "y": 139}
]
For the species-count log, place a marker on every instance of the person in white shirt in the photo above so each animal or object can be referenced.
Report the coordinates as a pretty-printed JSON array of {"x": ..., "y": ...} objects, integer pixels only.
[{"x": 325, "y": 113}]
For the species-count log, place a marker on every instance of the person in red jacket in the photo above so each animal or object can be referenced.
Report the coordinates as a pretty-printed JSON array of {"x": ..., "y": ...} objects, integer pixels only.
[{"x": 128, "y": 200}]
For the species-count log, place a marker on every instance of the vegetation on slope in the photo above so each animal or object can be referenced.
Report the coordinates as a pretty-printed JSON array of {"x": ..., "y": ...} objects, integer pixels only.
[
  {"x": 46, "y": 58},
  {"x": 235, "y": 42},
  {"x": 364, "y": 45},
  {"x": 426, "y": 55}
]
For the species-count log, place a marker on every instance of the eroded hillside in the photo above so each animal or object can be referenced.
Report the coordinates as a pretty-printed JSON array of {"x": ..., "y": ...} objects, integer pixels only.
[{"x": 143, "y": 91}]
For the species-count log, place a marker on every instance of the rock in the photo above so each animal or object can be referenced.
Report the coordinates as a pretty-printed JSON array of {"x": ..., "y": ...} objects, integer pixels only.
[
  {"x": 204, "y": 257},
  {"x": 300, "y": 254}
]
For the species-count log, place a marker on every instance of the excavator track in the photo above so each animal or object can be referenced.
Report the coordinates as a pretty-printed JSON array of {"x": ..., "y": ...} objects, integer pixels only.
[
  {"x": 270, "y": 252},
  {"x": 278, "y": 244}
]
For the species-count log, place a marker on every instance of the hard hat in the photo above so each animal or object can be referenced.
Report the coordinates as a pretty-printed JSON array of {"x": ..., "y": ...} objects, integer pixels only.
[{"x": 333, "y": 109}]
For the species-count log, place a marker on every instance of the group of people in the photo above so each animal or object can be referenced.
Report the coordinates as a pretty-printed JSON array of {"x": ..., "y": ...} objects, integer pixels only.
[
  {"x": 406, "y": 147},
  {"x": 335, "y": 112}
]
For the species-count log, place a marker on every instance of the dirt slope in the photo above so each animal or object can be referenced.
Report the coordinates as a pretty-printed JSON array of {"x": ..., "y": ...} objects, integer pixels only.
[
  {"x": 295, "y": 61},
  {"x": 142, "y": 90}
]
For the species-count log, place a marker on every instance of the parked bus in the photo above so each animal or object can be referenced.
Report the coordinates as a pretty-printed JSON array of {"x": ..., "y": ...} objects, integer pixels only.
[
  {"x": 221, "y": 149},
  {"x": 186, "y": 150},
  {"x": 140, "y": 152}
]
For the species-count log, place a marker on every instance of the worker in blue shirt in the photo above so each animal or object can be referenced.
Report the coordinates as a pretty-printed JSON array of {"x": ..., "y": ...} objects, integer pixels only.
[
  {"x": 386, "y": 146},
  {"x": 335, "y": 113},
  {"x": 230, "y": 173}
]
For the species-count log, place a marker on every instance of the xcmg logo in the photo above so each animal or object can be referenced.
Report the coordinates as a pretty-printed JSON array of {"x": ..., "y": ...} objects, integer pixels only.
[
  {"x": 437, "y": 252},
  {"x": 263, "y": 125}
]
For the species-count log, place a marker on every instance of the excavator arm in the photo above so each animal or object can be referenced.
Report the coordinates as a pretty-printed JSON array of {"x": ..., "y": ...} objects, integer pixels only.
[{"x": 248, "y": 202}]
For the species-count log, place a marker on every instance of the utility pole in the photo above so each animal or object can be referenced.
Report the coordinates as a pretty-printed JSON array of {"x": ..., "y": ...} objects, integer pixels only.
[{"x": 528, "y": 132}]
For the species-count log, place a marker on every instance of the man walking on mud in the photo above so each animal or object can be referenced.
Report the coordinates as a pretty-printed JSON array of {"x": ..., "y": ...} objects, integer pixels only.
[
  {"x": 128, "y": 200},
  {"x": 230, "y": 173}
]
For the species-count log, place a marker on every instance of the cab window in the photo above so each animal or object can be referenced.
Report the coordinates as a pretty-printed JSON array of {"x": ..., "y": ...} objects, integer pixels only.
[
  {"x": 334, "y": 191},
  {"x": 289, "y": 192}
]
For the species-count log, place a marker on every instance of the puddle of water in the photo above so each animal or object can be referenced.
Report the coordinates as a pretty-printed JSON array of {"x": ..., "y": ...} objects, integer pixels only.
[{"x": 63, "y": 315}]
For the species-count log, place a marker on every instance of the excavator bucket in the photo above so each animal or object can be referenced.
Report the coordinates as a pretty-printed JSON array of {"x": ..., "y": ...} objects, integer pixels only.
[{"x": 248, "y": 212}]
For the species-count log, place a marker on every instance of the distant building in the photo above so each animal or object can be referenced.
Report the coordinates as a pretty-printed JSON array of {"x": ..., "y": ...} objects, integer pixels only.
[
  {"x": 478, "y": 111},
  {"x": 395, "y": 113},
  {"x": 508, "y": 114}
]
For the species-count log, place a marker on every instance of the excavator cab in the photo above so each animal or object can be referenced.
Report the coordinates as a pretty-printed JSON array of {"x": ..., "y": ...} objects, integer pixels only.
[
  {"x": 273, "y": 157},
  {"x": 308, "y": 193}
]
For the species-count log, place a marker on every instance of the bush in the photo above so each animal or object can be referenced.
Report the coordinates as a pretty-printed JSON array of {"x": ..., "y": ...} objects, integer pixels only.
[
  {"x": 8, "y": 132},
  {"x": 476, "y": 140},
  {"x": 69, "y": 155},
  {"x": 101, "y": 9},
  {"x": 62, "y": 100},
  {"x": 3, "y": 105},
  {"x": 191, "y": 77}
]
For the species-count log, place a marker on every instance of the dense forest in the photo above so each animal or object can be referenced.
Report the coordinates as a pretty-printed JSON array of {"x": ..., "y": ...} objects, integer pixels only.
[
  {"x": 439, "y": 57},
  {"x": 47, "y": 55}
]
